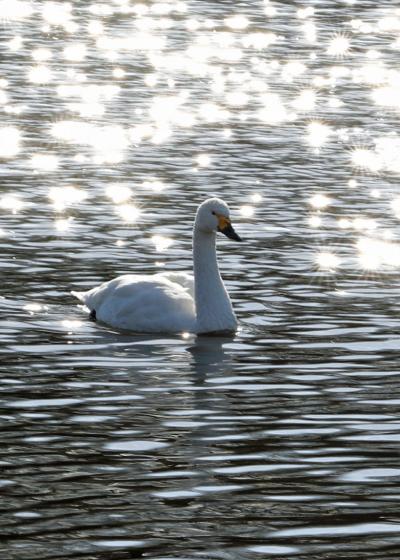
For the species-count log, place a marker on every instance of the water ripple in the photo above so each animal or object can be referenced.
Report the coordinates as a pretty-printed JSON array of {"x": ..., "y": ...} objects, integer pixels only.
[{"x": 117, "y": 119}]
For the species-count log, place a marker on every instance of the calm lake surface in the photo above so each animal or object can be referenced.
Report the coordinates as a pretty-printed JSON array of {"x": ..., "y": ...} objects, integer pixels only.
[{"x": 116, "y": 120}]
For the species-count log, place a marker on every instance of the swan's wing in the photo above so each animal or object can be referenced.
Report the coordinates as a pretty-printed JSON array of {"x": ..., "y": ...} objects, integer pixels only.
[
  {"x": 182, "y": 278},
  {"x": 142, "y": 304}
]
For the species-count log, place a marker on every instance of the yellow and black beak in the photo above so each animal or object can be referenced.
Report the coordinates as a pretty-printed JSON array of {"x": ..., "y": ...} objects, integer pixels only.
[{"x": 225, "y": 227}]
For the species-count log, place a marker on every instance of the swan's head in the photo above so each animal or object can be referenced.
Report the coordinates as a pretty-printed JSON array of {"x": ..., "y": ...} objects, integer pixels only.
[{"x": 213, "y": 215}]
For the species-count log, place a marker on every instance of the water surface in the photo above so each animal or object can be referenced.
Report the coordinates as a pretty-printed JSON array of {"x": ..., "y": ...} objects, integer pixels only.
[{"x": 117, "y": 120}]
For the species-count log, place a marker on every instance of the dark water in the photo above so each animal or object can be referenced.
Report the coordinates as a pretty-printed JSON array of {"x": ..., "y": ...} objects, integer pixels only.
[{"x": 281, "y": 442}]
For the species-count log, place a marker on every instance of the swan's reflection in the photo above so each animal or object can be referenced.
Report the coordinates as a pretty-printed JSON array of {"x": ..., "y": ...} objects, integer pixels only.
[
  {"x": 205, "y": 355},
  {"x": 209, "y": 357}
]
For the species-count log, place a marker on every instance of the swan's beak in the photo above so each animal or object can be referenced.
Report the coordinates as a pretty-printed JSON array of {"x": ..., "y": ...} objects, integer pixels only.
[{"x": 225, "y": 227}]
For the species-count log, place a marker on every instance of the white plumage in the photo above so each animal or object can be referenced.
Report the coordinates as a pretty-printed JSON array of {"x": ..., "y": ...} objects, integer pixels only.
[
  {"x": 158, "y": 303},
  {"x": 175, "y": 301}
]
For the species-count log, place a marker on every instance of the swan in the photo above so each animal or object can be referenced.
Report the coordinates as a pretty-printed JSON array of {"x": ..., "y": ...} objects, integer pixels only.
[{"x": 173, "y": 301}]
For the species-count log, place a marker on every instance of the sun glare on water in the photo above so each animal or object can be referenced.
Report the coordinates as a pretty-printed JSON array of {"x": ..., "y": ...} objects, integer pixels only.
[
  {"x": 63, "y": 225},
  {"x": 339, "y": 45},
  {"x": 327, "y": 261},
  {"x": 118, "y": 193},
  {"x": 12, "y": 203},
  {"x": 315, "y": 221},
  {"x": 184, "y": 91},
  {"x": 10, "y": 141},
  {"x": 161, "y": 243},
  {"x": 247, "y": 211},
  {"x": 64, "y": 196},
  {"x": 128, "y": 212},
  {"x": 375, "y": 253},
  {"x": 44, "y": 162},
  {"x": 318, "y": 134},
  {"x": 320, "y": 201},
  {"x": 40, "y": 75},
  {"x": 33, "y": 308},
  {"x": 15, "y": 10}
]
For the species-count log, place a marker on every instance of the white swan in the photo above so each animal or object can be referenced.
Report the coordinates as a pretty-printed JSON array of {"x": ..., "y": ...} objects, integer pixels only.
[{"x": 173, "y": 302}]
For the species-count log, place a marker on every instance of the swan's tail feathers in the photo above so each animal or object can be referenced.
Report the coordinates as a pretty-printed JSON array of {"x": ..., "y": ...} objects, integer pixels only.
[{"x": 79, "y": 295}]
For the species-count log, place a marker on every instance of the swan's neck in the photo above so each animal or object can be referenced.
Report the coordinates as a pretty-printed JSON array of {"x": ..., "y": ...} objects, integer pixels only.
[{"x": 213, "y": 307}]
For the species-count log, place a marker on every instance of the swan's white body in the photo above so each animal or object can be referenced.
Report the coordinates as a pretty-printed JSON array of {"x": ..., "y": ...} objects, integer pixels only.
[
  {"x": 159, "y": 303},
  {"x": 173, "y": 302}
]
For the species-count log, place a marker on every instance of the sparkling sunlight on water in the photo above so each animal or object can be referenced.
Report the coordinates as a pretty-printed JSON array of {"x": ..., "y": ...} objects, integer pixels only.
[{"x": 117, "y": 118}]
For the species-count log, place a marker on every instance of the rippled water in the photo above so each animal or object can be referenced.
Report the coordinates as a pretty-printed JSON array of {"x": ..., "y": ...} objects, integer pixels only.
[{"x": 117, "y": 119}]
